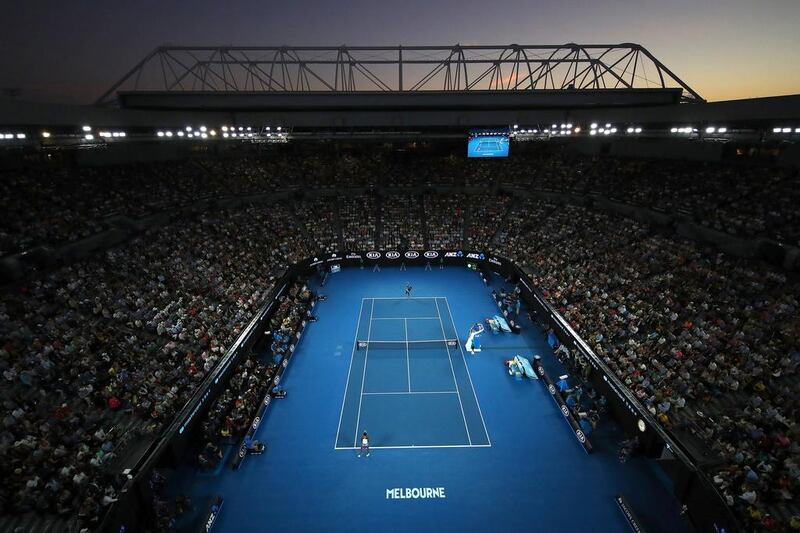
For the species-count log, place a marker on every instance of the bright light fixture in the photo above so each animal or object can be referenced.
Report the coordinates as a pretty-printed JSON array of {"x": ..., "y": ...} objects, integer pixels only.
[
  {"x": 89, "y": 137},
  {"x": 86, "y": 128},
  {"x": 46, "y": 134}
]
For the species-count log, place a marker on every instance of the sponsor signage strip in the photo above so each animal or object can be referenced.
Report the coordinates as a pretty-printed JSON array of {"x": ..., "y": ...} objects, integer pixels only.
[
  {"x": 262, "y": 409},
  {"x": 562, "y": 406}
]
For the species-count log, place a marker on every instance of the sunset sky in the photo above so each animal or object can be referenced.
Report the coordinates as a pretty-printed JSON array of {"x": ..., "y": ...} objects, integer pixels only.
[{"x": 724, "y": 49}]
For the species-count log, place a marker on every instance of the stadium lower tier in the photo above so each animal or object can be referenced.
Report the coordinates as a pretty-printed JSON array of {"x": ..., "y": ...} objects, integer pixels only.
[{"x": 457, "y": 444}]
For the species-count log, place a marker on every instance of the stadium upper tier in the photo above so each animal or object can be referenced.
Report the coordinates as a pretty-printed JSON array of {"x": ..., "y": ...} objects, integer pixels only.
[
  {"x": 62, "y": 206},
  {"x": 122, "y": 339}
]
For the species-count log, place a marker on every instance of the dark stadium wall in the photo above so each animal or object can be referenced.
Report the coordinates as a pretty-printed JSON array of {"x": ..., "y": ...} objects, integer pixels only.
[{"x": 668, "y": 149}]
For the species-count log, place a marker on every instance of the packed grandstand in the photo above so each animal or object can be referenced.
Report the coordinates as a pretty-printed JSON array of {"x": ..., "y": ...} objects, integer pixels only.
[{"x": 99, "y": 355}]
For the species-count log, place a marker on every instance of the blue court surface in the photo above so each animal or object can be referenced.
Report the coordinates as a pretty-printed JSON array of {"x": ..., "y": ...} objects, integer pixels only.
[
  {"x": 457, "y": 444},
  {"x": 408, "y": 380}
]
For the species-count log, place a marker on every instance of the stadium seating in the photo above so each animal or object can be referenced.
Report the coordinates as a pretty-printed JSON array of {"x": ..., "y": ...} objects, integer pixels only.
[{"x": 106, "y": 350}]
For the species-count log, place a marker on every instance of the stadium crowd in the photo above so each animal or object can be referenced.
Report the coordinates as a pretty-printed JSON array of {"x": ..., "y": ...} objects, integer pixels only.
[
  {"x": 706, "y": 342},
  {"x": 126, "y": 335}
]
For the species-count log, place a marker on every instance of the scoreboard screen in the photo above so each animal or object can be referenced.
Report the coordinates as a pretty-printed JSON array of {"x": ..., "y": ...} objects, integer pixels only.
[{"x": 488, "y": 143}]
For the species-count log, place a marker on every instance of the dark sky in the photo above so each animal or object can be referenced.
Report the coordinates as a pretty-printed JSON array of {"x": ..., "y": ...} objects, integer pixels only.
[{"x": 70, "y": 51}]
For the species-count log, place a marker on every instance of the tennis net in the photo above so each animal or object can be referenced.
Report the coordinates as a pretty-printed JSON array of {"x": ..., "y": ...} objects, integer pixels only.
[{"x": 427, "y": 343}]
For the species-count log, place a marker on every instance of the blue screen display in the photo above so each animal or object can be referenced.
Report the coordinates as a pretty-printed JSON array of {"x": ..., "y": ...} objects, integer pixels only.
[{"x": 487, "y": 144}]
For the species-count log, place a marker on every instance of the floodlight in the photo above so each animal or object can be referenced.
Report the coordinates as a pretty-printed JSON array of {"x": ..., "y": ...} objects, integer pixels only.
[
  {"x": 593, "y": 132},
  {"x": 46, "y": 134},
  {"x": 279, "y": 128},
  {"x": 674, "y": 130},
  {"x": 188, "y": 128},
  {"x": 202, "y": 128},
  {"x": 711, "y": 129},
  {"x": 168, "y": 134},
  {"x": 180, "y": 134},
  {"x": 515, "y": 127},
  {"x": 722, "y": 130},
  {"x": 608, "y": 125},
  {"x": 160, "y": 133},
  {"x": 89, "y": 137},
  {"x": 225, "y": 134},
  {"x": 630, "y": 130},
  {"x": 20, "y": 135},
  {"x": 86, "y": 128},
  {"x": 613, "y": 130},
  {"x": 787, "y": 130},
  {"x": 594, "y": 125},
  {"x": 122, "y": 134},
  {"x": 776, "y": 130}
]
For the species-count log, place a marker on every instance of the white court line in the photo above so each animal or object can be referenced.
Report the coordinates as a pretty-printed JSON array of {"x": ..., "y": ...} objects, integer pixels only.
[
  {"x": 408, "y": 357},
  {"x": 363, "y": 374},
  {"x": 455, "y": 381},
  {"x": 405, "y": 318},
  {"x": 403, "y": 298},
  {"x": 347, "y": 385},
  {"x": 411, "y": 392},
  {"x": 419, "y": 447},
  {"x": 398, "y": 341},
  {"x": 480, "y": 412}
]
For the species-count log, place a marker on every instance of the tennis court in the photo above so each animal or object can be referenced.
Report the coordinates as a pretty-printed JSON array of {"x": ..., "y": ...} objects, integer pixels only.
[{"x": 408, "y": 383}]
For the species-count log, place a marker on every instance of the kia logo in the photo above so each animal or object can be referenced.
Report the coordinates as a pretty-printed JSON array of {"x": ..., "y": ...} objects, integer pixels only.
[
  {"x": 565, "y": 410},
  {"x": 392, "y": 255},
  {"x": 411, "y": 254},
  {"x": 373, "y": 255},
  {"x": 431, "y": 255},
  {"x": 581, "y": 436},
  {"x": 552, "y": 389}
]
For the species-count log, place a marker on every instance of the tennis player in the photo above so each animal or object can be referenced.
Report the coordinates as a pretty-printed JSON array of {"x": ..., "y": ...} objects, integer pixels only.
[
  {"x": 364, "y": 444},
  {"x": 408, "y": 290}
]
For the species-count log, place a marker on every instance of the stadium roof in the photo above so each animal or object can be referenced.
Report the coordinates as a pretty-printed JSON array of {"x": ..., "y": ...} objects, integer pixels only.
[{"x": 571, "y": 67}]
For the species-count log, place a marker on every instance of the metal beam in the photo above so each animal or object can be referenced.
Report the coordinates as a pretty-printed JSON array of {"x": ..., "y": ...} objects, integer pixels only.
[{"x": 457, "y": 68}]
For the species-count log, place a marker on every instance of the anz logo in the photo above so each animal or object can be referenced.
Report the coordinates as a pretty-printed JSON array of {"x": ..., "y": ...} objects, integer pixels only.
[
  {"x": 431, "y": 254},
  {"x": 411, "y": 254},
  {"x": 392, "y": 255},
  {"x": 373, "y": 255}
]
